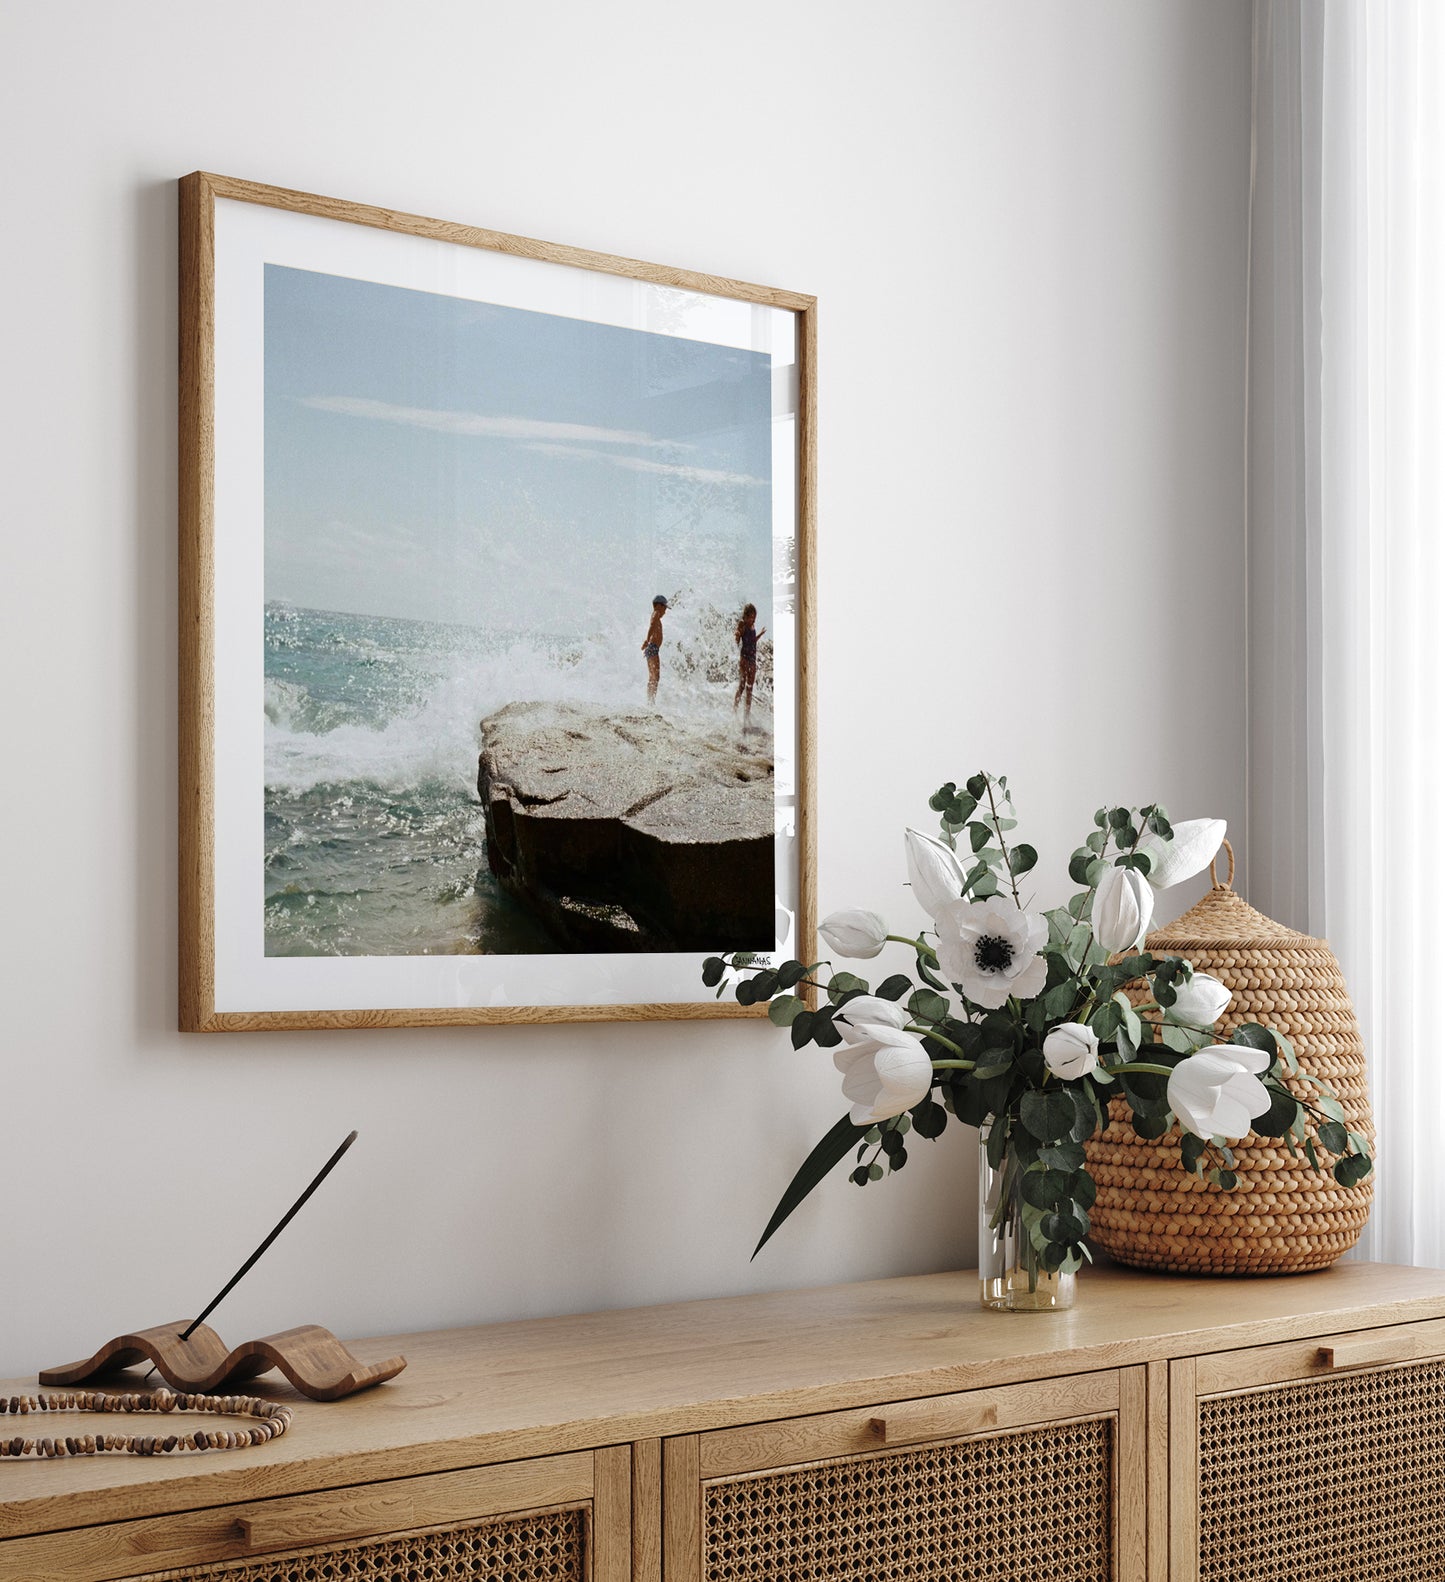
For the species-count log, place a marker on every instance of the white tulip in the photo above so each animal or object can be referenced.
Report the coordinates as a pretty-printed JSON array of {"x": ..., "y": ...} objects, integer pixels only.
[
  {"x": 883, "y": 1074},
  {"x": 1123, "y": 908},
  {"x": 866, "y": 1011},
  {"x": 1196, "y": 840},
  {"x": 990, "y": 949},
  {"x": 1200, "y": 1002},
  {"x": 1071, "y": 1050},
  {"x": 1217, "y": 1093},
  {"x": 933, "y": 871},
  {"x": 854, "y": 932}
]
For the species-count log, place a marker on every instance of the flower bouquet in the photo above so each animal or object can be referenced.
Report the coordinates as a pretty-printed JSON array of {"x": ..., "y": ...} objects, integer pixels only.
[{"x": 1025, "y": 1024}]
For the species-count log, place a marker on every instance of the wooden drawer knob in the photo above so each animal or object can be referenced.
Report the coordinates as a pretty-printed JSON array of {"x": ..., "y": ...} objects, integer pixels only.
[
  {"x": 911, "y": 1425},
  {"x": 355, "y": 1514},
  {"x": 1359, "y": 1351}
]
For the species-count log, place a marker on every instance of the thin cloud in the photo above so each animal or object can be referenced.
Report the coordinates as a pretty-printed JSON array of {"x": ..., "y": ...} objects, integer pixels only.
[
  {"x": 478, "y": 423},
  {"x": 641, "y": 464}
]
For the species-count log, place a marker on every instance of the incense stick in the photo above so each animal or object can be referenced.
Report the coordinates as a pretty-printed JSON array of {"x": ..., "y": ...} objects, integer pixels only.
[{"x": 285, "y": 1220}]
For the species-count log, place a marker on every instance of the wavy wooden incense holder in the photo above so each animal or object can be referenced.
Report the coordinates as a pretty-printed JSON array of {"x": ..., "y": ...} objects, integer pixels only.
[
  {"x": 194, "y": 1358},
  {"x": 311, "y": 1357}
]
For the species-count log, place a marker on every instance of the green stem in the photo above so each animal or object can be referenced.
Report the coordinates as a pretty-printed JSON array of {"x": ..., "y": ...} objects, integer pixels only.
[
  {"x": 953, "y": 1065},
  {"x": 938, "y": 1038},
  {"x": 1141, "y": 1065},
  {"x": 1002, "y": 843}
]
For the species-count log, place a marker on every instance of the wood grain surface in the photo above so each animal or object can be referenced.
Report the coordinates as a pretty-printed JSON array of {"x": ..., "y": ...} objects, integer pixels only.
[
  {"x": 211, "y": 1537},
  {"x": 547, "y": 1386},
  {"x": 312, "y": 1358}
]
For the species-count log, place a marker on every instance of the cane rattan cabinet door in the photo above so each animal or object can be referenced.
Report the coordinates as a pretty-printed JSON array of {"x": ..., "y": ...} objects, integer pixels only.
[
  {"x": 557, "y": 1519},
  {"x": 1319, "y": 1459},
  {"x": 1025, "y": 1483}
]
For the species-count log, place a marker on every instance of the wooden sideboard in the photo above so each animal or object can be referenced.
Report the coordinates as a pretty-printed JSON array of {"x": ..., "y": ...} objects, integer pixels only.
[{"x": 1166, "y": 1430}]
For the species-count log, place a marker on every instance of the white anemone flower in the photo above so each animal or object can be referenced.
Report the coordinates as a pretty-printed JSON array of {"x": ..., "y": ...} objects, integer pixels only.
[
  {"x": 1195, "y": 843},
  {"x": 933, "y": 872},
  {"x": 1217, "y": 1093},
  {"x": 883, "y": 1074},
  {"x": 1071, "y": 1050},
  {"x": 990, "y": 949},
  {"x": 854, "y": 933},
  {"x": 1123, "y": 908},
  {"x": 1200, "y": 1002},
  {"x": 864, "y": 1012}
]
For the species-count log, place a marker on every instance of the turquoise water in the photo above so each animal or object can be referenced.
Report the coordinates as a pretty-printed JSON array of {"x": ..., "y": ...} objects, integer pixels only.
[
  {"x": 374, "y": 837},
  {"x": 374, "y": 842}
]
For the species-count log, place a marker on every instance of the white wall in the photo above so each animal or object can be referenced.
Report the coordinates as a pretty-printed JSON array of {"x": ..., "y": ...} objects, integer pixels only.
[{"x": 1026, "y": 225}]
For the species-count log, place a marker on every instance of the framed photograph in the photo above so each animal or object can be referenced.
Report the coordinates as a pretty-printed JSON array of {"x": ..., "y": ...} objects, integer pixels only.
[{"x": 496, "y": 678}]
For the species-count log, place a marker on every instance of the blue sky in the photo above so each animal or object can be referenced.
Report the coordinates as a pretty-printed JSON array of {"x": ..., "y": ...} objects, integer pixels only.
[{"x": 449, "y": 460}]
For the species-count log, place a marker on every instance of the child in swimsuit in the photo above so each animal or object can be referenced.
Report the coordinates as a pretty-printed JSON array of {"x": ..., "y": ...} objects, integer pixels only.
[
  {"x": 652, "y": 647},
  {"x": 746, "y": 637}
]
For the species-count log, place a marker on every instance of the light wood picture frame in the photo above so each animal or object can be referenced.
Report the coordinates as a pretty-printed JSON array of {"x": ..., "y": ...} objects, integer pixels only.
[{"x": 430, "y": 473}]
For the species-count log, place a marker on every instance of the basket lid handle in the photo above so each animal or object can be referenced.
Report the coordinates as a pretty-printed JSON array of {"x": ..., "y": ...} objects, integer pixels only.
[{"x": 1214, "y": 877}]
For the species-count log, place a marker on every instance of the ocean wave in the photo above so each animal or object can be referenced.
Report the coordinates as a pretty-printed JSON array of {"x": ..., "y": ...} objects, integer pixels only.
[
  {"x": 291, "y": 706},
  {"x": 427, "y": 732}
]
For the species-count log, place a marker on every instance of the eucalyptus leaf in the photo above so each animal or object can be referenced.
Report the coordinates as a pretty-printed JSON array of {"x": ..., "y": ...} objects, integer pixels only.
[
  {"x": 929, "y": 1118},
  {"x": 1180, "y": 1040},
  {"x": 1021, "y": 859},
  {"x": 926, "y": 1006},
  {"x": 1333, "y": 1108},
  {"x": 996, "y": 1144},
  {"x": 1044, "y": 1188},
  {"x": 1107, "y": 1020},
  {"x": 1059, "y": 1000},
  {"x": 1332, "y": 1135},
  {"x": 1048, "y": 1116},
  {"x": 783, "y": 1010},
  {"x": 840, "y": 1141}
]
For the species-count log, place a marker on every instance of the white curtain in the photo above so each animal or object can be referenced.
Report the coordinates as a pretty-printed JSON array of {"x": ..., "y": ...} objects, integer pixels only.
[{"x": 1347, "y": 545}]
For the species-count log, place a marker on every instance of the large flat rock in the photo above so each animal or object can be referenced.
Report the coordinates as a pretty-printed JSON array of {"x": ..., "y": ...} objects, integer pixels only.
[{"x": 631, "y": 831}]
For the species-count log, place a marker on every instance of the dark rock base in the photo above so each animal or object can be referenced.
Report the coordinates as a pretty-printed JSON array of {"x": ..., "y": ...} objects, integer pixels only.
[{"x": 630, "y": 832}]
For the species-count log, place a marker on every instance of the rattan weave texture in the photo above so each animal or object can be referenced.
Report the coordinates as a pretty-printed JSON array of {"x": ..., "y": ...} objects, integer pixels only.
[
  {"x": 1336, "y": 1480},
  {"x": 1018, "y": 1507},
  {"x": 1283, "y": 1217},
  {"x": 545, "y": 1546}
]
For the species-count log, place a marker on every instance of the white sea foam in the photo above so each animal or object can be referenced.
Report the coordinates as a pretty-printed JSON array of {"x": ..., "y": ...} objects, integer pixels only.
[{"x": 434, "y": 737}]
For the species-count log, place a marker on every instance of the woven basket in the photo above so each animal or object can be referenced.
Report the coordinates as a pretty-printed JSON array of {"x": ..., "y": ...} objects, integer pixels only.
[{"x": 1283, "y": 1217}]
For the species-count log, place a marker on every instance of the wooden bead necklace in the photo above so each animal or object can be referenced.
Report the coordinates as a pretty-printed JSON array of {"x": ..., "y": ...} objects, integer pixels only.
[{"x": 273, "y": 1421}]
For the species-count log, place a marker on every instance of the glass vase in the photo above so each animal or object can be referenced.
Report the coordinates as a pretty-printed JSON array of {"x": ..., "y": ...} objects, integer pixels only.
[{"x": 1009, "y": 1277}]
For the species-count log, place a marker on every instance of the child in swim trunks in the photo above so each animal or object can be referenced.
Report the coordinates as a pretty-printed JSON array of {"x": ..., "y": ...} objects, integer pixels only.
[
  {"x": 746, "y": 636},
  {"x": 652, "y": 647}
]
